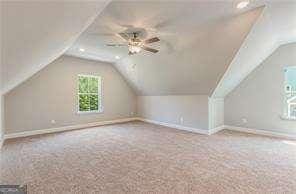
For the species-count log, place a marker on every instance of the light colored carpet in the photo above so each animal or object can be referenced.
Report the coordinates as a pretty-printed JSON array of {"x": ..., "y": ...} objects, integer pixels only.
[{"x": 137, "y": 157}]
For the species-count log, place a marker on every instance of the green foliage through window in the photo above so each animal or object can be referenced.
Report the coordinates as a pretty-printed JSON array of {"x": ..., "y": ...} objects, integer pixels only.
[{"x": 89, "y": 93}]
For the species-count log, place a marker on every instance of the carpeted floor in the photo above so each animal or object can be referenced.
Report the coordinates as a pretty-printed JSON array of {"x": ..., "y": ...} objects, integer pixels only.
[{"x": 137, "y": 157}]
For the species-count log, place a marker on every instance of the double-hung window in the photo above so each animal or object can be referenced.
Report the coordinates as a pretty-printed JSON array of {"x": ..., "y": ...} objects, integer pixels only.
[{"x": 89, "y": 94}]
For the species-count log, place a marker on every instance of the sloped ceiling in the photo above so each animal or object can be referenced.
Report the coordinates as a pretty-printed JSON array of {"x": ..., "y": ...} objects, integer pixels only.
[
  {"x": 275, "y": 26},
  {"x": 34, "y": 33},
  {"x": 198, "y": 41},
  {"x": 206, "y": 47}
]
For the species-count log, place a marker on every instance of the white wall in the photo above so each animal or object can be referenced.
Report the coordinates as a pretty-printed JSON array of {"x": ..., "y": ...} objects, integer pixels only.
[
  {"x": 169, "y": 109},
  {"x": 51, "y": 94},
  {"x": 260, "y": 97},
  {"x": 216, "y": 112}
]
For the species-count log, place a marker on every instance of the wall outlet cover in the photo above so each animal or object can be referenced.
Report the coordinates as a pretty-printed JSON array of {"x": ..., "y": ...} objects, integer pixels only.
[{"x": 181, "y": 120}]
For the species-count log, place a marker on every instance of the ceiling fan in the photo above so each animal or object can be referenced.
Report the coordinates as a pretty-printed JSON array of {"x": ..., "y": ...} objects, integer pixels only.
[{"x": 135, "y": 44}]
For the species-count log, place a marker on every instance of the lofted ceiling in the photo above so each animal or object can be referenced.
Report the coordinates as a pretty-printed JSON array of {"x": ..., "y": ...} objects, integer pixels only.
[
  {"x": 198, "y": 41},
  {"x": 275, "y": 26},
  {"x": 34, "y": 33},
  {"x": 206, "y": 47}
]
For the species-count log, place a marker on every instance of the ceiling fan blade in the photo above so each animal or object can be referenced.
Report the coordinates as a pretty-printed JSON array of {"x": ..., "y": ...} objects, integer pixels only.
[
  {"x": 115, "y": 44},
  {"x": 151, "y": 40},
  {"x": 149, "y": 49},
  {"x": 124, "y": 36}
]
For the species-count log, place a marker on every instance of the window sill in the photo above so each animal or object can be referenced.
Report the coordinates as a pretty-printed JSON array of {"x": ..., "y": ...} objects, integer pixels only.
[
  {"x": 90, "y": 112},
  {"x": 288, "y": 118}
]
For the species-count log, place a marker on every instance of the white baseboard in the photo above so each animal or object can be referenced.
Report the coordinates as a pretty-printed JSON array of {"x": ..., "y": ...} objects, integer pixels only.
[
  {"x": 216, "y": 130},
  {"x": 180, "y": 127},
  {"x": 261, "y": 132},
  {"x": 66, "y": 128},
  {"x": 175, "y": 126}
]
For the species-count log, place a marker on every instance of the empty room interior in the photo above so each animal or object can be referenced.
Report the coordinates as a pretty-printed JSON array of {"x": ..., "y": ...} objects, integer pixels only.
[{"x": 124, "y": 96}]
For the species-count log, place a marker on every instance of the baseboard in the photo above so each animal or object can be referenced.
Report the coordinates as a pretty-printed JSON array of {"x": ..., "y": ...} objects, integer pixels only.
[
  {"x": 175, "y": 126},
  {"x": 261, "y": 132},
  {"x": 66, "y": 128},
  {"x": 216, "y": 129},
  {"x": 180, "y": 127}
]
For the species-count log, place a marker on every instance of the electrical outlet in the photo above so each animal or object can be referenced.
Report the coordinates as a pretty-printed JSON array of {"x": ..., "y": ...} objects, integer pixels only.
[
  {"x": 132, "y": 113},
  {"x": 181, "y": 120},
  {"x": 244, "y": 120},
  {"x": 53, "y": 122}
]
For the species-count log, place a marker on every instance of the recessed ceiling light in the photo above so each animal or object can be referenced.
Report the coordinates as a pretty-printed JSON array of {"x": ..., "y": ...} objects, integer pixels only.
[
  {"x": 117, "y": 57},
  {"x": 81, "y": 50},
  {"x": 242, "y": 4}
]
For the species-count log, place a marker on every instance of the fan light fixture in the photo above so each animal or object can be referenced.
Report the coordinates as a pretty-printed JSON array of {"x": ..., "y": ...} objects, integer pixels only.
[
  {"x": 134, "y": 49},
  {"x": 135, "y": 44},
  {"x": 242, "y": 4}
]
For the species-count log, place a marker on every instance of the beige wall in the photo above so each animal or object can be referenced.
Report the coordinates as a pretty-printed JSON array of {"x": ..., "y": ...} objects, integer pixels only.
[
  {"x": 1, "y": 77},
  {"x": 260, "y": 97},
  {"x": 1, "y": 119},
  {"x": 169, "y": 109},
  {"x": 51, "y": 94}
]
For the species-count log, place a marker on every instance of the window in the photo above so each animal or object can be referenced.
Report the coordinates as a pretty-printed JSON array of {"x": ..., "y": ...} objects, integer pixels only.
[
  {"x": 89, "y": 93},
  {"x": 290, "y": 92}
]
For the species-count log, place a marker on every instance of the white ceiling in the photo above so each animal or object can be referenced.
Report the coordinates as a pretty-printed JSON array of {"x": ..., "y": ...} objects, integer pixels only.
[
  {"x": 275, "y": 26},
  {"x": 206, "y": 47},
  {"x": 34, "y": 33},
  {"x": 198, "y": 41}
]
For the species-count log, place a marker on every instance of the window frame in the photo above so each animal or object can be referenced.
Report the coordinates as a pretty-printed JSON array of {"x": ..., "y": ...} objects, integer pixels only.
[
  {"x": 287, "y": 108},
  {"x": 100, "y": 89}
]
